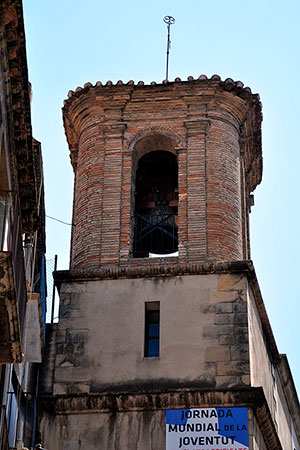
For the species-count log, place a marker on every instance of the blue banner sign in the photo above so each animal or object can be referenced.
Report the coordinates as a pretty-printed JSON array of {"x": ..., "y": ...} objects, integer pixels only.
[{"x": 207, "y": 429}]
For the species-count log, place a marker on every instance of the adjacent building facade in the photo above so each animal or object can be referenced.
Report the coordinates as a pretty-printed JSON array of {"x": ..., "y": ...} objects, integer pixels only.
[
  {"x": 22, "y": 240},
  {"x": 162, "y": 323}
]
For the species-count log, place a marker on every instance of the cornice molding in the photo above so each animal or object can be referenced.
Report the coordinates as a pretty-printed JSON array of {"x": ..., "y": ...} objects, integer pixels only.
[{"x": 186, "y": 398}]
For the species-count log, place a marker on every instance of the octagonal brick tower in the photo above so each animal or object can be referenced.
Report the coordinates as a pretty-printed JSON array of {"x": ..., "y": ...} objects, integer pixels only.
[
  {"x": 161, "y": 309},
  {"x": 213, "y": 129}
]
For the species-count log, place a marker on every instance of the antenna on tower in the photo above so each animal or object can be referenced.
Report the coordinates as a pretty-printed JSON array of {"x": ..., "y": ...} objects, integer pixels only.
[{"x": 169, "y": 20}]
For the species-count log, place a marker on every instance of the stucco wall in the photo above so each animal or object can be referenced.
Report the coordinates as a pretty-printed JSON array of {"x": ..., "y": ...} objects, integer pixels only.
[
  {"x": 264, "y": 373},
  {"x": 100, "y": 337},
  {"x": 211, "y": 339},
  {"x": 295, "y": 444},
  {"x": 256, "y": 440},
  {"x": 131, "y": 431}
]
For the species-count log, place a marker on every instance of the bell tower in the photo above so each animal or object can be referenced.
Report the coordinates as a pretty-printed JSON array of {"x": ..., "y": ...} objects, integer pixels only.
[
  {"x": 190, "y": 151},
  {"x": 162, "y": 324}
]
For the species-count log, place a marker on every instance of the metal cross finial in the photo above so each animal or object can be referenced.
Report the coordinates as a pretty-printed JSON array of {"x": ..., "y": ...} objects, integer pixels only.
[{"x": 169, "y": 20}]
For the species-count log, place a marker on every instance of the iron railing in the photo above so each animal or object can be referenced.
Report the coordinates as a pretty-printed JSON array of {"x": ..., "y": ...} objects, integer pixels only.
[{"x": 154, "y": 236}]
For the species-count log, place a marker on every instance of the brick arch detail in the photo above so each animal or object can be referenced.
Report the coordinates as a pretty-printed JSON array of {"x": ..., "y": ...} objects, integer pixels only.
[{"x": 177, "y": 139}]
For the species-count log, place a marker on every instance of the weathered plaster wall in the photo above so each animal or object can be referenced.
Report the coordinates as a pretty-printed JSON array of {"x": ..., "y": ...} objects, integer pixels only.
[
  {"x": 135, "y": 430},
  {"x": 256, "y": 440},
  {"x": 127, "y": 430},
  {"x": 264, "y": 373},
  {"x": 213, "y": 339},
  {"x": 99, "y": 342},
  {"x": 295, "y": 444}
]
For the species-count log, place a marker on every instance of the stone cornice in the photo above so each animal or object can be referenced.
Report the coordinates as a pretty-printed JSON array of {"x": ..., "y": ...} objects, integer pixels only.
[
  {"x": 182, "y": 398},
  {"x": 154, "y": 267},
  {"x": 18, "y": 116},
  {"x": 167, "y": 267}
]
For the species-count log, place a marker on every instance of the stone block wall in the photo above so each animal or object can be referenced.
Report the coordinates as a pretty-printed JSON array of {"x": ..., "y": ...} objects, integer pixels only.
[
  {"x": 216, "y": 348},
  {"x": 99, "y": 341}
]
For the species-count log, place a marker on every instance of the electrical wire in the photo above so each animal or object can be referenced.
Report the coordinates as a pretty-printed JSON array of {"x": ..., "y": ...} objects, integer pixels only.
[{"x": 61, "y": 221}]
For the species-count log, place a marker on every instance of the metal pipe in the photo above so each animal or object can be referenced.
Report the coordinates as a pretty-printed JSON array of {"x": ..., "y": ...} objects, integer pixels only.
[{"x": 53, "y": 292}]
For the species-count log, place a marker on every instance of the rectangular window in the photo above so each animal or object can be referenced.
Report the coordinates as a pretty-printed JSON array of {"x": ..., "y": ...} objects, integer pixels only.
[{"x": 151, "y": 329}]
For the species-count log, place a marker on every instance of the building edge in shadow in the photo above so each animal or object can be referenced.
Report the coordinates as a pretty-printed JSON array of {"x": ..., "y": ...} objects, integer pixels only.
[{"x": 22, "y": 240}]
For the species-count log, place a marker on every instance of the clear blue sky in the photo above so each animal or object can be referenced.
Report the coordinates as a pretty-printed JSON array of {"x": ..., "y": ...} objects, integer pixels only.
[{"x": 71, "y": 42}]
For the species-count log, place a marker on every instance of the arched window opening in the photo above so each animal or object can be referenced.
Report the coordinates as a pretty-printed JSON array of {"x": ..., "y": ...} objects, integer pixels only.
[{"x": 156, "y": 205}]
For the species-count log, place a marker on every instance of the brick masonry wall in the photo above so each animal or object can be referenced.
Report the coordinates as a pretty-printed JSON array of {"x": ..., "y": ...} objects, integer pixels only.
[
  {"x": 212, "y": 126},
  {"x": 224, "y": 212}
]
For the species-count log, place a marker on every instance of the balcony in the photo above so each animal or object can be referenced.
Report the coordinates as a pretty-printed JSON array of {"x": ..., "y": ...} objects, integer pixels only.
[{"x": 12, "y": 280}]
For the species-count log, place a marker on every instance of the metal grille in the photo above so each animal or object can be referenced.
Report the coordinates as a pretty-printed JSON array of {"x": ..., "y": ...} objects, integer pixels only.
[{"x": 153, "y": 235}]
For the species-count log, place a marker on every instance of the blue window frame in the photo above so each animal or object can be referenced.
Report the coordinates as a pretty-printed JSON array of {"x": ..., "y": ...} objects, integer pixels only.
[{"x": 152, "y": 314}]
